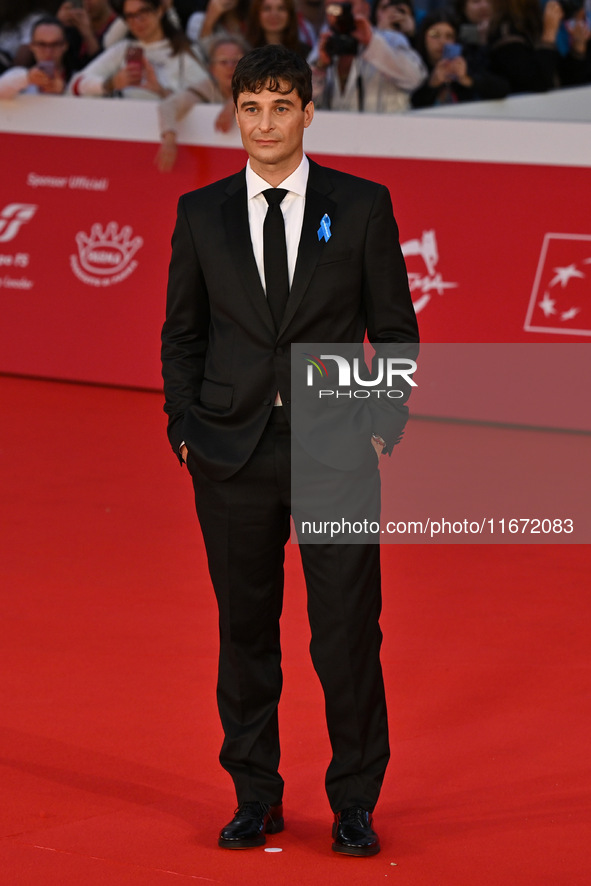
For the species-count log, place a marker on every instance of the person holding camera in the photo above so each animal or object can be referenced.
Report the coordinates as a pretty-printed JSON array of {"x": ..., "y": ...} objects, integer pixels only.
[
  {"x": 451, "y": 77},
  {"x": 357, "y": 68},
  {"x": 48, "y": 75}
]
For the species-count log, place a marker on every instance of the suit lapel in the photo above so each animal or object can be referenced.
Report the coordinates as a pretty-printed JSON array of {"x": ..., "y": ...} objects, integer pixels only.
[
  {"x": 235, "y": 216},
  {"x": 310, "y": 249}
]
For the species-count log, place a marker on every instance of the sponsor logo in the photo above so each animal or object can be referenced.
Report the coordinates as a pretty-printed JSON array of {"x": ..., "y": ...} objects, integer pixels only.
[
  {"x": 427, "y": 279},
  {"x": 20, "y": 260},
  {"x": 13, "y": 217},
  {"x": 105, "y": 257},
  {"x": 75, "y": 182},
  {"x": 16, "y": 282},
  {"x": 560, "y": 302},
  {"x": 388, "y": 371}
]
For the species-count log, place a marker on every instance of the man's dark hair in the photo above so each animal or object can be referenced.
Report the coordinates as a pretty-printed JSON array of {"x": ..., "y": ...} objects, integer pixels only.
[{"x": 275, "y": 68}]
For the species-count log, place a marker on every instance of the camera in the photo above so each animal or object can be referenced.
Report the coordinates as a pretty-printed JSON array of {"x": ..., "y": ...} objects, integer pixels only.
[{"x": 341, "y": 40}]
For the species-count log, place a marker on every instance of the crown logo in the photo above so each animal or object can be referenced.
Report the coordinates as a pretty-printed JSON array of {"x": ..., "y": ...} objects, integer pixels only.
[{"x": 108, "y": 252}]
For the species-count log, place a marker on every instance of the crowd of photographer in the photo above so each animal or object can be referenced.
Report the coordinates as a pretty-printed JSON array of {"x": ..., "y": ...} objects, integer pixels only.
[{"x": 387, "y": 57}]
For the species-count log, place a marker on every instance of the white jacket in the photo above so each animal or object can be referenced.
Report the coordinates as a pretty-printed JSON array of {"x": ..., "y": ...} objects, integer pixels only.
[
  {"x": 15, "y": 80},
  {"x": 380, "y": 80},
  {"x": 174, "y": 72}
]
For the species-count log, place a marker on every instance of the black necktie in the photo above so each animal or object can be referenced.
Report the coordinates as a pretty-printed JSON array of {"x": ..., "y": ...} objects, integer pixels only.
[{"x": 275, "y": 255}]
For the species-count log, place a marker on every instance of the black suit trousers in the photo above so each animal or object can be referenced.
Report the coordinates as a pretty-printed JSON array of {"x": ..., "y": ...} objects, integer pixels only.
[{"x": 245, "y": 521}]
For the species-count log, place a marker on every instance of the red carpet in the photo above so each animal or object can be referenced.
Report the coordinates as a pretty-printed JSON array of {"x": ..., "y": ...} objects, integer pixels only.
[{"x": 109, "y": 735}]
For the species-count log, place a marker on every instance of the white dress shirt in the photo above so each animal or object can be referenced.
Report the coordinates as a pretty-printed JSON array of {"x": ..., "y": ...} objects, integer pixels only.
[{"x": 292, "y": 207}]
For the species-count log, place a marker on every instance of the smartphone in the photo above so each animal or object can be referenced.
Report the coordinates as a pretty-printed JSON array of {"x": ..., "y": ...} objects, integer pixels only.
[
  {"x": 452, "y": 50},
  {"x": 134, "y": 56},
  {"x": 47, "y": 68}
]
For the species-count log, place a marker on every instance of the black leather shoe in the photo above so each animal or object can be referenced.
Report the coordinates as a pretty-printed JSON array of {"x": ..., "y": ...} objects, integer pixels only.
[
  {"x": 250, "y": 824},
  {"x": 353, "y": 834}
]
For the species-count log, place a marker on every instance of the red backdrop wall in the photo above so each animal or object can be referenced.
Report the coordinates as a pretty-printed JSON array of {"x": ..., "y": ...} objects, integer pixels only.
[{"x": 496, "y": 252}]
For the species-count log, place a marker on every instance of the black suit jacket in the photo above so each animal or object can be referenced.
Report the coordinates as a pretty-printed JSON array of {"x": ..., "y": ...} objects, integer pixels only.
[{"x": 223, "y": 361}]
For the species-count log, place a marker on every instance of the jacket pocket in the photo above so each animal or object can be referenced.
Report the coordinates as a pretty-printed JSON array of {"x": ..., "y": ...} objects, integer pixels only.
[
  {"x": 331, "y": 257},
  {"x": 216, "y": 396}
]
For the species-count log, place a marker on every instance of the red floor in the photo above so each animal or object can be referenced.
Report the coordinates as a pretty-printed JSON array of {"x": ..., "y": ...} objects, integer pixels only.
[{"x": 109, "y": 735}]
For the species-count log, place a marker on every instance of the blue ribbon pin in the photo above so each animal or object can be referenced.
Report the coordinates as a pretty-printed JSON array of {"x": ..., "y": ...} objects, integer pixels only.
[{"x": 324, "y": 229}]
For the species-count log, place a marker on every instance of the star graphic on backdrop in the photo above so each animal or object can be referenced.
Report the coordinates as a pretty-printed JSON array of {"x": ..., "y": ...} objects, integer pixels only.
[
  {"x": 563, "y": 275},
  {"x": 568, "y": 315},
  {"x": 547, "y": 305}
]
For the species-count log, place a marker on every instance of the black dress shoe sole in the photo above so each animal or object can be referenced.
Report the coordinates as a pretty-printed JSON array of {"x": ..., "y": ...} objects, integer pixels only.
[
  {"x": 242, "y": 844},
  {"x": 358, "y": 851},
  {"x": 272, "y": 827}
]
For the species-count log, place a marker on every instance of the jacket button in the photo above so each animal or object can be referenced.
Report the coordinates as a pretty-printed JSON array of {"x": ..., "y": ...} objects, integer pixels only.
[
  {"x": 279, "y": 350},
  {"x": 266, "y": 402}
]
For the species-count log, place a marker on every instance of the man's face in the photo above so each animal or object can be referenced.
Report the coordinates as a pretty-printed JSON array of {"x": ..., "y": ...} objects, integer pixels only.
[
  {"x": 48, "y": 44},
  {"x": 272, "y": 128}
]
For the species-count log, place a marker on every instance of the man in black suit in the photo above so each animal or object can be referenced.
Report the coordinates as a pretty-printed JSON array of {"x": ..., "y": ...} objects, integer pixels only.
[{"x": 226, "y": 367}]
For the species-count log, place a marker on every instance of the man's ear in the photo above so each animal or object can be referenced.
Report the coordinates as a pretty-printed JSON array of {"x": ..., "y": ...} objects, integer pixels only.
[{"x": 308, "y": 114}]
